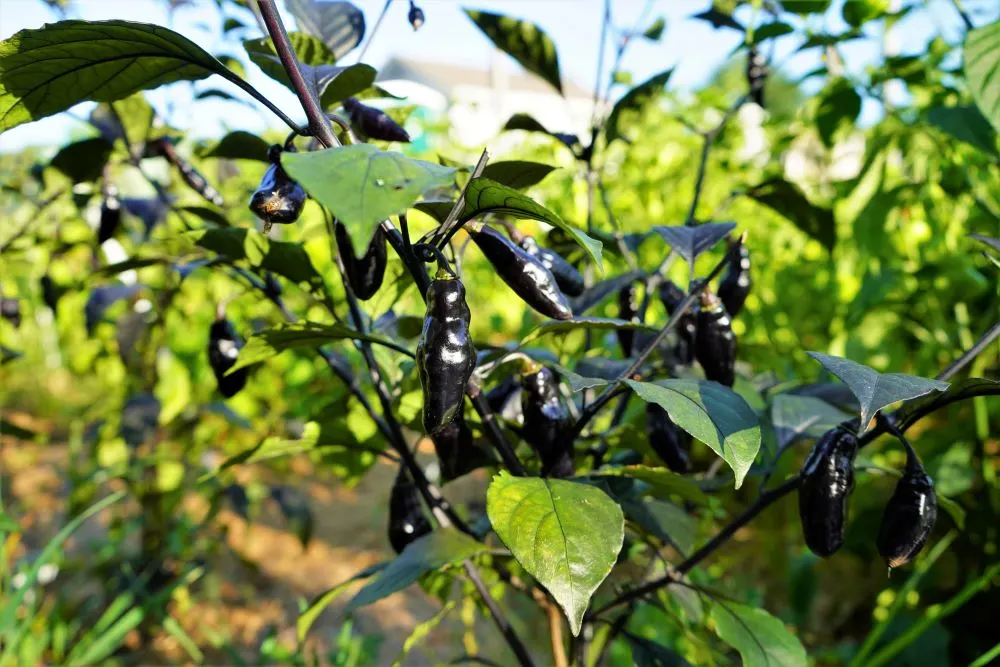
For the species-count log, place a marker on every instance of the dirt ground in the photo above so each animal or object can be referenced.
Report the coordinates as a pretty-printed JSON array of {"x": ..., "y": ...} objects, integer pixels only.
[{"x": 264, "y": 591}]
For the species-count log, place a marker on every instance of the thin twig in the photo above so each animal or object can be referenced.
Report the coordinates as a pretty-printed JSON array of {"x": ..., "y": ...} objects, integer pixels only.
[
  {"x": 371, "y": 36},
  {"x": 708, "y": 139},
  {"x": 971, "y": 354},
  {"x": 969, "y": 25},
  {"x": 319, "y": 125},
  {"x": 515, "y": 643}
]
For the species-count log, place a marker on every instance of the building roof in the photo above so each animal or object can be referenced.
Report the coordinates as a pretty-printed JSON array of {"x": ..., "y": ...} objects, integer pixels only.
[{"x": 445, "y": 77}]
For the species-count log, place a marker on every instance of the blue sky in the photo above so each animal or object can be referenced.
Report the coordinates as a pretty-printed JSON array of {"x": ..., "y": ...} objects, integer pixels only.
[{"x": 692, "y": 46}]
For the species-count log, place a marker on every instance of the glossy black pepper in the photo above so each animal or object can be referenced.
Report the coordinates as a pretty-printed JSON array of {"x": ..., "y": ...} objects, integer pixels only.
[
  {"x": 457, "y": 453},
  {"x": 715, "y": 343},
  {"x": 364, "y": 273},
  {"x": 909, "y": 516},
  {"x": 374, "y": 123},
  {"x": 567, "y": 277},
  {"x": 670, "y": 442},
  {"x": 223, "y": 347},
  {"x": 547, "y": 422},
  {"x": 278, "y": 199},
  {"x": 671, "y": 295},
  {"x": 111, "y": 214},
  {"x": 415, "y": 16},
  {"x": 407, "y": 521},
  {"x": 827, "y": 482},
  {"x": 524, "y": 274},
  {"x": 10, "y": 309},
  {"x": 628, "y": 310},
  {"x": 735, "y": 285},
  {"x": 445, "y": 354}
]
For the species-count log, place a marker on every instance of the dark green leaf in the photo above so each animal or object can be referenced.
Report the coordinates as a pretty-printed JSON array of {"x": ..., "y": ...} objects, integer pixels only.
[
  {"x": 771, "y": 31},
  {"x": 286, "y": 259},
  {"x": 961, "y": 390},
  {"x": 664, "y": 483},
  {"x": 824, "y": 40},
  {"x": 48, "y": 70},
  {"x": 599, "y": 367},
  {"x": 795, "y": 417},
  {"x": 442, "y": 546},
  {"x": 647, "y": 653},
  {"x": 83, "y": 160},
  {"x": 803, "y": 7},
  {"x": 654, "y": 32},
  {"x": 982, "y": 69},
  {"x": 761, "y": 639},
  {"x": 578, "y": 382},
  {"x": 966, "y": 124},
  {"x": 363, "y": 185},
  {"x": 517, "y": 174},
  {"x": 271, "y": 342},
  {"x": 635, "y": 100},
  {"x": 212, "y": 215},
  {"x": 232, "y": 24},
  {"x": 578, "y": 323},
  {"x": 7, "y": 524},
  {"x": 718, "y": 19},
  {"x": 485, "y": 196},
  {"x": 689, "y": 242},
  {"x": 839, "y": 105},
  {"x": 565, "y": 534},
  {"x": 295, "y": 508},
  {"x": 324, "y": 599},
  {"x": 12, "y": 430},
  {"x": 525, "y": 42},
  {"x": 787, "y": 200},
  {"x": 681, "y": 527},
  {"x": 421, "y": 631},
  {"x": 239, "y": 145},
  {"x": 858, "y": 12},
  {"x": 339, "y": 25},
  {"x": 876, "y": 390},
  {"x": 349, "y": 81},
  {"x": 711, "y": 413}
]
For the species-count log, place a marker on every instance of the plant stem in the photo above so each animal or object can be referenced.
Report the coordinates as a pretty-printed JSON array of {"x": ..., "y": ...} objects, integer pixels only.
[
  {"x": 515, "y": 643},
  {"x": 965, "y": 16},
  {"x": 319, "y": 125},
  {"x": 592, "y": 409},
  {"x": 708, "y": 140},
  {"x": 971, "y": 353},
  {"x": 378, "y": 24}
]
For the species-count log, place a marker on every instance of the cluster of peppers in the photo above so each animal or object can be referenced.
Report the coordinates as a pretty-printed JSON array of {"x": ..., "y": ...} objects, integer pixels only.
[
  {"x": 827, "y": 482},
  {"x": 704, "y": 334}
]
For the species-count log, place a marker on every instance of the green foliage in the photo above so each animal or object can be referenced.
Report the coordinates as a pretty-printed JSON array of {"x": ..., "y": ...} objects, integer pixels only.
[{"x": 523, "y": 41}]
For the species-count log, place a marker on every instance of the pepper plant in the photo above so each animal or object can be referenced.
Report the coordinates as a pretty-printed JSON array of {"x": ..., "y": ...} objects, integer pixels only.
[{"x": 624, "y": 415}]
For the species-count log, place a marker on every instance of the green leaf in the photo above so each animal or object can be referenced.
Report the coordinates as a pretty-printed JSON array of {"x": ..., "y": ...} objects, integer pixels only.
[
  {"x": 690, "y": 241},
  {"x": 517, "y": 174},
  {"x": 796, "y": 417},
  {"x": 348, "y": 82},
  {"x": 340, "y": 25},
  {"x": 655, "y": 31},
  {"x": 982, "y": 69},
  {"x": 712, "y": 413},
  {"x": 83, "y": 160},
  {"x": 523, "y": 41},
  {"x": 324, "y": 599},
  {"x": 578, "y": 382},
  {"x": 966, "y": 124},
  {"x": 858, "y": 12},
  {"x": 237, "y": 243},
  {"x": 362, "y": 185},
  {"x": 679, "y": 526},
  {"x": 761, "y": 639},
  {"x": 485, "y": 196},
  {"x": 315, "y": 435},
  {"x": 873, "y": 389},
  {"x": 987, "y": 241},
  {"x": 802, "y": 7},
  {"x": 565, "y": 534},
  {"x": 961, "y": 390},
  {"x": 635, "y": 100},
  {"x": 239, "y": 145},
  {"x": 718, "y": 18},
  {"x": 597, "y": 292},
  {"x": 48, "y": 70},
  {"x": 839, "y": 105},
  {"x": 771, "y": 31},
  {"x": 271, "y": 342},
  {"x": 788, "y": 201},
  {"x": 440, "y": 547},
  {"x": 664, "y": 483},
  {"x": 420, "y": 632},
  {"x": 598, "y": 323}
]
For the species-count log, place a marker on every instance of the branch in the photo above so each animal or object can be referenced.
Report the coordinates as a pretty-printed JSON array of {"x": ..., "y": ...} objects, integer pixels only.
[
  {"x": 319, "y": 125},
  {"x": 515, "y": 643},
  {"x": 708, "y": 140},
  {"x": 378, "y": 24},
  {"x": 971, "y": 353},
  {"x": 965, "y": 16},
  {"x": 609, "y": 391}
]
